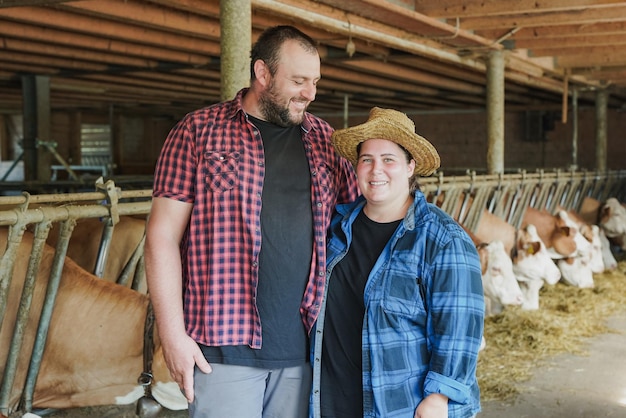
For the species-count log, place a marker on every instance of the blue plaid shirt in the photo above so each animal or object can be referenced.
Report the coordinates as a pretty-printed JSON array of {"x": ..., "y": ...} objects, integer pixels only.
[{"x": 424, "y": 314}]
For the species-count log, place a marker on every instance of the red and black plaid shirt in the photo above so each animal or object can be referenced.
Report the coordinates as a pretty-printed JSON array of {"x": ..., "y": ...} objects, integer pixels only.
[{"x": 214, "y": 159}]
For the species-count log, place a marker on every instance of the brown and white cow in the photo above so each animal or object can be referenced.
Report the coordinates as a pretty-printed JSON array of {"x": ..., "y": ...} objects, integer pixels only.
[
  {"x": 500, "y": 285},
  {"x": 600, "y": 254},
  {"x": 590, "y": 213},
  {"x": 570, "y": 250},
  {"x": 128, "y": 235},
  {"x": 533, "y": 266},
  {"x": 612, "y": 220},
  {"x": 94, "y": 349}
]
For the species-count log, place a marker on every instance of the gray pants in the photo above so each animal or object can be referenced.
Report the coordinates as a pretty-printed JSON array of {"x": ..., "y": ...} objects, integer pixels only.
[{"x": 249, "y": 392}]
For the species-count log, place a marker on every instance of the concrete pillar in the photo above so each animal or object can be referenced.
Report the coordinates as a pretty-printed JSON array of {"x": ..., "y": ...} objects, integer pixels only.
[
  {"x": 574, "y": 165},
  {"x": 36, "y": 99},
  {"x": 495, "y": 112},
  {"x": 602, "y": 101},
  {"x": 235, "y": 44}
]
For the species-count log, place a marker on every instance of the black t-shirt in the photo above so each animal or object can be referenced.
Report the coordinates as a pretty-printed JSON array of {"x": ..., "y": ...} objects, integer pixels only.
[
  {"x": 341, "y": 372},
  {"x": 285, "y": 257}
]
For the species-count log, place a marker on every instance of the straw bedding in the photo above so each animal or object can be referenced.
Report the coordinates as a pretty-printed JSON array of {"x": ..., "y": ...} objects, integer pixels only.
[{"x": 519, "y": 342}]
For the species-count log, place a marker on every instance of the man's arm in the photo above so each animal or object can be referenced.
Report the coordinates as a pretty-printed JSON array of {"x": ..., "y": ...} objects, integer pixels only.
[{"x": 164, "y": 231}]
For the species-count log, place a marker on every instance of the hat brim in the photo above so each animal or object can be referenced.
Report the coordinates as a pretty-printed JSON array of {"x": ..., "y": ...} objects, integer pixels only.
[{"x": 423, "y": 152}]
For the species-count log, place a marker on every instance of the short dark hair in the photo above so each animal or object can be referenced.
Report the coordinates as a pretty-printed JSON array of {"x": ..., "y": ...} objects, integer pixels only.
[{"x": 267, "y": 47}]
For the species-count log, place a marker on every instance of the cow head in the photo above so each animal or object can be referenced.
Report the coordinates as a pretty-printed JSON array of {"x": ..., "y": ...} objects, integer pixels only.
[
  {"x": 576, "y": 271},
  {"x": 499, "y": 282},
  {"x": 613, "y": 218},
  {"x": 533, "y": 266}
]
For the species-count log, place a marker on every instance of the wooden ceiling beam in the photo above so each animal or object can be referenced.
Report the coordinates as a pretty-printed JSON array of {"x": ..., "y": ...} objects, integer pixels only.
[
  {"x": 368, "y": 80},
  {"x": 576, "y": 43},
  {"x": 405, "y": 19},
  {"x": 70, "y": 54},
  {"x": 57, "y": 64},
  {"x": 600, "y": 57},
  {"x": 470, "y": 8},
  {"x": 560, "y": 31},
  {"x": 147, "y": 15},
  {"x": 27, "y": 33},
  {"x": 22, "y": 3},
  {"x": 398, "y": 72},
  {"x": 118, "y": 88},
  {"x": 99, "y": 28},
  {"x": 510, "y": 21}
]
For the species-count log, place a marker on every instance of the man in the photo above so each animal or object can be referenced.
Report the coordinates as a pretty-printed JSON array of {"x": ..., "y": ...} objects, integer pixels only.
[{"x": 235, "y": 251}]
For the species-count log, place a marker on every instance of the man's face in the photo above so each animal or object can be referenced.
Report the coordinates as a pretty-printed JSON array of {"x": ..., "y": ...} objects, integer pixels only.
[{"x": 292, "y": 88}]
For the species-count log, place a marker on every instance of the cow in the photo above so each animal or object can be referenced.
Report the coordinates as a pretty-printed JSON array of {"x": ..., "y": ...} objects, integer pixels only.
[
  {"x": 500, "y": 286},
  {"x": 94, "y": 348},
  {"x": 533, "y": 266},
  {"x": 600, "y": 255},
  {"x": 612, "y": 219},
  {"x": 590, "y": 213},
  {"x": 127, "y": 237},
  {"x": 570, "y": 250}
]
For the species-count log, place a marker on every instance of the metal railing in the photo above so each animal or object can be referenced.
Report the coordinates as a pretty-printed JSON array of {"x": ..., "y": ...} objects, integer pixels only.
[{"x": 464, "y": 197}]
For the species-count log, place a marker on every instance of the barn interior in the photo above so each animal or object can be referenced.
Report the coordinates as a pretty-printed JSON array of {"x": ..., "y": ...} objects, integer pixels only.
[
  {"x": 91, "y": 88},
  {"x": 523, "y": 100}
]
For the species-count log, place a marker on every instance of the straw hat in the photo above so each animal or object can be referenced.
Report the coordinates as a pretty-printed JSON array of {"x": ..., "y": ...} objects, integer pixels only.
[{"x": 391, "y": 125}]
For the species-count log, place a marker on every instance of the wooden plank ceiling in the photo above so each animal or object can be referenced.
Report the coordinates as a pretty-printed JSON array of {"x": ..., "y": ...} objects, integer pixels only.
[{"x": 163, "y": 56}]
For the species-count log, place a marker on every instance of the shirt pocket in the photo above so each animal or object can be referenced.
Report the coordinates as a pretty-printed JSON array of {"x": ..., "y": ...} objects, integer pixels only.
[
  {"x": 220, "y": 170},
  {"x": 403, "y": 295}
]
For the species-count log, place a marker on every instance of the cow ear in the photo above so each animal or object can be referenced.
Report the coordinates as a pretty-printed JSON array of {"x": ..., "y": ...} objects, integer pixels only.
[
  {"x": 533, "y": 248},
  {"x": 565, "y": 231}
]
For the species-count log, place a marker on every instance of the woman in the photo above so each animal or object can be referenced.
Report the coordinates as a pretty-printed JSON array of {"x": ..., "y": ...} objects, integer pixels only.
[{"x": 402, "y": 318}]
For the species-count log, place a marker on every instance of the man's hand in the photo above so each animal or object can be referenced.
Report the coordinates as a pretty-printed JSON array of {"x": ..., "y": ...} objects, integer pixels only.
[{"x": 181, "y": 357}]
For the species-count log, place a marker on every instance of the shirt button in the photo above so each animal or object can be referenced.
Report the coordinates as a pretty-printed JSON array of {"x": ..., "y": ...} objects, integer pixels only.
[
  {"x": 313, "y": 173},
  {"x": 319, "y": 204}
]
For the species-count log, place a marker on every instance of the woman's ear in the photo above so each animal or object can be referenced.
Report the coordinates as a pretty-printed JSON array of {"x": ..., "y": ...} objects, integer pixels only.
[{"x": 411, "y": 167}]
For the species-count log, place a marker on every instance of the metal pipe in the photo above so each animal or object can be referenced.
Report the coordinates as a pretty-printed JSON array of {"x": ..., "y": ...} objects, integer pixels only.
[
  {"x": 15, "y": 348},
  {"x": 46, "y": 313}
]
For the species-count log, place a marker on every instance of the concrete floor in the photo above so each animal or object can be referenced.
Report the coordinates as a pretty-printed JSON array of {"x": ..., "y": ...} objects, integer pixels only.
[{"x": 574, "y": 386}]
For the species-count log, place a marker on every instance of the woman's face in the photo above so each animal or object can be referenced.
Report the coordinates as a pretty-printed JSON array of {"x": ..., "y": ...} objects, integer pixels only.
[{"x": 383, "y": 172}]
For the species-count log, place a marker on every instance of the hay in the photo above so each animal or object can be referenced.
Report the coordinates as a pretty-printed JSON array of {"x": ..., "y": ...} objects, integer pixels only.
[{"x": 519, "y": 342}]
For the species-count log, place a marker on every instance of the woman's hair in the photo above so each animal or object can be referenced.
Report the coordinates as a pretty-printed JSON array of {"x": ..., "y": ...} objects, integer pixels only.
[
  {"x": 267, "y": 47},
  {"x": 413, "y": 180}
]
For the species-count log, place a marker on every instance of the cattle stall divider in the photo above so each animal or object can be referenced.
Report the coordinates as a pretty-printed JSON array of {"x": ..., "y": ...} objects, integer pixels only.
[
  {"x": 465, "y": 198},
  {"x": 37, "y": 213}
]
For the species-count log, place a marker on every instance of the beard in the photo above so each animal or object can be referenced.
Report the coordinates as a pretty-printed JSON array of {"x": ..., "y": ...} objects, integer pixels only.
[{"x": 274, "y": 112}]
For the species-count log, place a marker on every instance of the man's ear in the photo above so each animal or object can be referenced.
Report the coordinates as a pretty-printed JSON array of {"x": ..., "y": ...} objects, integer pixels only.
[{"x": 262, "y": 73}]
